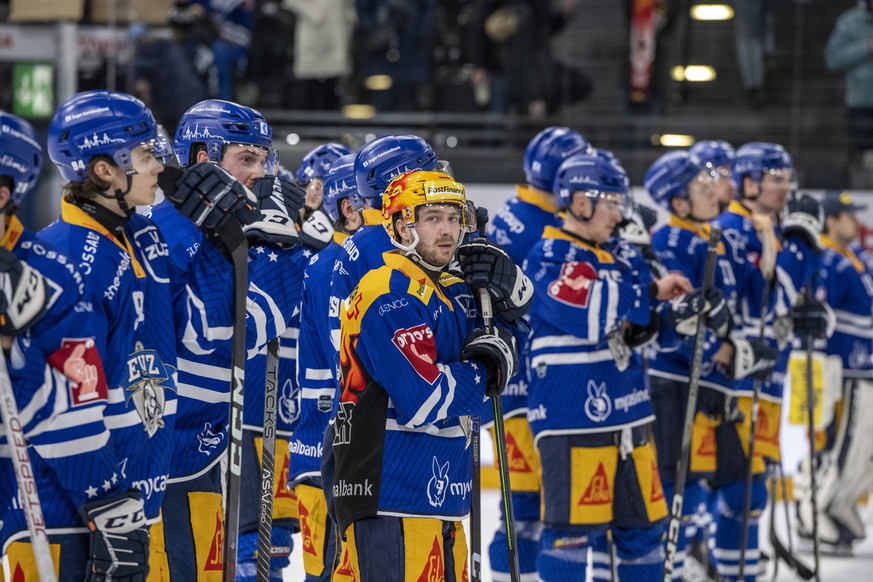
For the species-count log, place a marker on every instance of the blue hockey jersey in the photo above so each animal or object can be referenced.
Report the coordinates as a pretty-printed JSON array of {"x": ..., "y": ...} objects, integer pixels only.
[
  {"x": 400, "y": 443},
  {"x": 316, "y": 369},
  {"x": 581, "y": 294},
  {"x": 848, "y": 284}
]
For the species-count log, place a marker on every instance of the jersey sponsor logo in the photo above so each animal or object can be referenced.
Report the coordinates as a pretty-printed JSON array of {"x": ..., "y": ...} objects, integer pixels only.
[
  {"x": 334, "y": 307},
  {"x": 418, "y": 347},
  {"x": 859, "y": 358},
  {"x": 598, "y": 491},
  {"x": 515, "y": 225},
  {"x": 516, "y": 388},
  {"x": 438, "y": 485},
  {"x": 538, "y": 413},
  {"x": 289, "y": 405},
  {"x": 148, "y": 378},
  {"x": 151, "y": 244},
  {"x": 393, "y": 305},
  {"x": 574, "y": 284},
  {"x": 325, "y": 403},
  {"x": 346, "y": 569},
  {"x": 598, "y": 405},
  {"x": 468, "y": 304},
  {"x": 657, "y": 491},
  {"x": 434, "y": 567},
  {"x": 707, "y": 446},
  {"x": 461, "y": 489},
  {"x": 635, "y": 398},
  {"x": 150, "y": 485},
  {"x": 343, "y": 424},
  {"x": 345, "y": 488},
  {"x": 214, "y": 559},
  {"x": 515, "y": 456},
  {"x": 305, "y": 530},
  {"x": 99, "y": 140},
  {"x": 422, "y": 288},
  {"x": 89, "y": 250},
  {"x": 110, "y": 291},
  {"x": 500, "y": 237},
  {"x": 768, "y": 432},
  {"x": 79, "y": 361},
  {"x": 208, "y": 440},
  {"x": 298, "y": 447}
]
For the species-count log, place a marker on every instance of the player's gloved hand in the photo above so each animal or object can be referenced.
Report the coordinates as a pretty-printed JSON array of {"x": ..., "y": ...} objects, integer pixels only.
[
  {"x": 487, "y": 266},
  {"x": 119, "y": 538},
  {"x": 271, "y": 218},
  {"x": 718, "y": 316},
  {"x": 317, "y": 230},
  {"x": 24, "y": 294},
  {"x": 206, "y": 193},
  {"x": 811, "y": 317},
  {"x": 752, "y": 358},
  {"x": 684, "y": 311},
  {"x": 805, "y": 220},
  {"x": 497, "y": 352}
]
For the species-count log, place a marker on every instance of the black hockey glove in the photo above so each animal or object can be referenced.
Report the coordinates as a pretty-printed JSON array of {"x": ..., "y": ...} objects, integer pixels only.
[
  {"x": 684, "y": 311},
  {"x": 497, "y": 352},
  {"x": 487, "y": 266},
  {"x": 24, "y": 294},
  {"x": 752, "y": 358},
  {"x": 317, "y": 230},
  {"x": 272, "y": 218},
  {"x": 119, "y": 538},
  {"x": 718, "y": 318},
  {"x": 206, "y": 194},
  {"x": 810, "y": 317},
  {"x": 805, "y": 220}
]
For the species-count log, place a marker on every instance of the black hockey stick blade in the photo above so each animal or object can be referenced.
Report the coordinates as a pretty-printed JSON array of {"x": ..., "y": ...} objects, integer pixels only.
[{"x": 792, "y": 561}]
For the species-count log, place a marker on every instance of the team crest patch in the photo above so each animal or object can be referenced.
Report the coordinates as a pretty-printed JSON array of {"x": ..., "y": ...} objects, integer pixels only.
[
  {"x": 573, "y": 286},
  {"x": 418, "y": 346},
  {"x": 438, "y": 484},
  {"x": 147, "y": 382},
  {"x": 208, "y": 440},
  {"x": 598, "y": 405},
  {"x": 289, "y": 409}
]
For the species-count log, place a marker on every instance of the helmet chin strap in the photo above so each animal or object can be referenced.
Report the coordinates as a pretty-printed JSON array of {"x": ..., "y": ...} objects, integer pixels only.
[
  {"x": 409, "y": 251},
  {"x": 119, "y": 197}
]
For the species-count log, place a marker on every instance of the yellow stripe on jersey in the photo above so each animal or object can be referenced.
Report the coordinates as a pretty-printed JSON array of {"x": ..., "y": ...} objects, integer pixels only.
[
  {"x": 72, "y": 214},
  {"x": 372, "y": 216},
  {"x": 603, "y": 256},
  {"x": 844, "y": 251},
  {"x": 701, "y": 230},
  {"x": 14, "y": 228},
  {"x": 538, "y": 198}
]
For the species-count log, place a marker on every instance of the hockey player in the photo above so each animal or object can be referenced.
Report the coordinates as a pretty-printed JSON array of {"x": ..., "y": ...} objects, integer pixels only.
[
  {"x": 108, "y": 146},
  {"x": 317, "y": 230},
  {"x": 66, "y": 400},
  {"x": 239, "y": 140},
  {"x": 717, "y": 156},
  {"x": 413, "y": 366},
  {"x": 689, "y": 190},
  {"x": 586, "y": 414},
  {"x": 769, "y": 279},
  {"x": 844, "y": 471},
  {"x": 317, "y": 376},
  {"x": 516, "y": 227}
]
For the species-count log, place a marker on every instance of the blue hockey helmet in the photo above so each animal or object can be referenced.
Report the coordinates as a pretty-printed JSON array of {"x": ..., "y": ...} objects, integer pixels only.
[
  {"x": 339, "y": 183},
  {"x": 106, "y": 123},
  {"x": 758, "y": 158},
  {"x": 713, "y": 153},
  {"x": 20, "y": 155},
  {"x": 386, "y": 157},
  {"x": 596, "y": 177},
  {"x": 547, "y": 150},
  {"x": 668, "y": 177},
  {"x": 317, "y": 162},
  {"x": 217, "y": 123}
]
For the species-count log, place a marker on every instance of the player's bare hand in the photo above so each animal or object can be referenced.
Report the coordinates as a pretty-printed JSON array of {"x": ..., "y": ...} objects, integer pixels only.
[{"x": 672, "y": 286}]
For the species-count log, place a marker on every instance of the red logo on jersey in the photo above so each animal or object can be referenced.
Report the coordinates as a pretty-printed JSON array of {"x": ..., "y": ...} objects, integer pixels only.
[
  {"x": 419, "y": 348},
  {"x": 434, "y": 569},
  {"x": 598, "y": 492},
  {"x": 517, "y": 463},
  {"x": 657, "y": 493},
  {"x": 766, "y": 432},
  {"x": 305, "y": 530},
  {"x": 282, "y": 490},
  {"x": 18, "y": 576},
  {"x": 574, "y": 284},
  {"x": 707, "y": 444},
  {"x": 214, "y": 560},
  {"x": 345, "y": 568},
  {"x": 79, "y": 361}
]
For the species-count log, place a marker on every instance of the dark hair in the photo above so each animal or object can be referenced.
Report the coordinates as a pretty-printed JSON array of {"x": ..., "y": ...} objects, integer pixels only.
[
  {"x": 196, "y": 148},
  {"x": 92, "y": 186}
]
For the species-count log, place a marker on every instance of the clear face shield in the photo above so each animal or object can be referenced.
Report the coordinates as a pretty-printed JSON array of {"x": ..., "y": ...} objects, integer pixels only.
[
  {"x": 423, "y": 217},
  {"x": 779, "y": 178},
  {"x": 251, "y": 158},
  {"x": 161, "y": 147},
  {"x": 621, "y": 202}
]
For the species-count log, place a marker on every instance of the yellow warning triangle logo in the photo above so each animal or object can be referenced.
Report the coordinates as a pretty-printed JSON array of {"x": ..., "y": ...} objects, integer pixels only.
[
  {"x": 657, "y": 493},
  {"x": 707, "y": 443},
  {"x": 517, "y": 463},
  {"x": 434, "y": 569},
  {"x": 598, "y": 492},
  {"x": 214, "y": 560}
]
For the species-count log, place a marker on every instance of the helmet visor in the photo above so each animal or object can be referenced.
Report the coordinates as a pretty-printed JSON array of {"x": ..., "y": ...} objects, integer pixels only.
[
  {"x": 781, "y": 177},
  {"x": 250, "y": 157},
  {"x": 623, "y": 202},
  {"x": 462, "y": 214}
]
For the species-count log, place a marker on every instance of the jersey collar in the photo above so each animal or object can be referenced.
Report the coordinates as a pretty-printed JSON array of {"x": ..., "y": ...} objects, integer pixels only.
[
  {"x": 700, "y": 230},
  {"x": 736, "y": 207},
  {"x": 420, "y": 283},
  {"x": 533, "y": 196},
  {"x": 72, "y": 214},
  {"x": 843, "y": 251},
  {"x": 372, "y": 216},
  {"x": 603, "y": 255},
  {"x": 14, "y": 230},
  {"x": 339, "y": 237}
]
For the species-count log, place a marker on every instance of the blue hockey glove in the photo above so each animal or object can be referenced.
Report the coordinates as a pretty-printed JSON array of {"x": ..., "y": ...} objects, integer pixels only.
[
  {"x": 805, "y": 219},
  {"x": 497, "y": 352},
  {"x": 272, "y": 218},
  {"x": 206, "y": 193},
  {"x": 119, "y": 539},
  {"x": 752, "y": 358},
  {"x": 24, "y": 294},
  {"x": 487, "y": 266},
  {"x": 317, "y": 230}
]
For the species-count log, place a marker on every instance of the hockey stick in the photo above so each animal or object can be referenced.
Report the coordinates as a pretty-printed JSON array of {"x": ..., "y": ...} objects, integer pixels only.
[
  {"x": 500, "y": 445},
  {"x": 476, "y": 446},
  {"x": 810, "y": 426},
  {"x": 779, "y": 550},
  {"x": 232, "y": 236},
  {"x": 268, "y": 462},
  {"x": 756, "y": 401},
  {"x": 28, "y": 496},
  {"x": 690, "y": 410}
]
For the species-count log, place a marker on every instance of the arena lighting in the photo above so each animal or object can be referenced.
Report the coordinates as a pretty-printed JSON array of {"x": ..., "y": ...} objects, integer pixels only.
[
  {"x": 292, "y": 139},
  {"x": 693, "y": 73},
  {"x": 712, "y": 12},
  {"x": 451, "y": 141},
  {"x": 378, "y": 82},
  {"x": 358, "y": 111},
  {"x": 673, "y": 140}
]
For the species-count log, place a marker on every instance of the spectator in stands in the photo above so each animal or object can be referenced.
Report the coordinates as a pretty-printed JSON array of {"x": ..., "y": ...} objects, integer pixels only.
[
  {"x": 755, "y": 43},
  {"x": 195, "y": 34},
  {"x": 850, "y": 50},
  {"x": 233, "y": 20},
  {"x": 322, "y": 48}
]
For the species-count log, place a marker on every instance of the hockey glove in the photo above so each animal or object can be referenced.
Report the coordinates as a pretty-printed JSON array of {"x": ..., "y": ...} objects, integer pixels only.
[
  {"x": 24, "y": 294},
  {"x": 805, "y": 220},
  {"x": 618, "y": 348},
  {"x": 810, "y": 318},
  {"x": 752, "y": 359},
  {"x": 684, "y": 311},
  {"x": 317, "y": 230},
  {"x": 271, "y": 219},
  {"x": 119, "y": 538},
  {"x": 497, "y": 352},
  {"x": 487, "y": 266},
  {"x": 207, "y": 194},
  {"x": 718, "y": 318}
]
